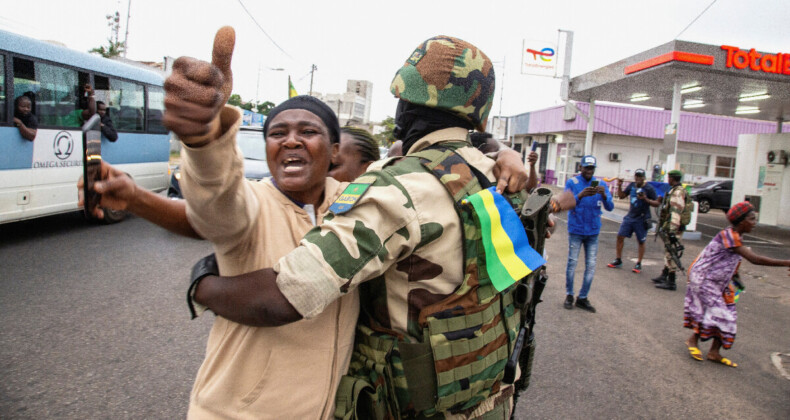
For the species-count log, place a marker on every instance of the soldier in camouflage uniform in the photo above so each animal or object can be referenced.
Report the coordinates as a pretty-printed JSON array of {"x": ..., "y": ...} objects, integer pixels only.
[
  {"x": 669, "y": 222},
  {"x": 396, "y": 232}
]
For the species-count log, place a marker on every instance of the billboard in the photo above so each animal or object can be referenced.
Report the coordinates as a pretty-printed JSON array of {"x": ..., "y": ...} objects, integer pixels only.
[{"x": 539, "y": 58}]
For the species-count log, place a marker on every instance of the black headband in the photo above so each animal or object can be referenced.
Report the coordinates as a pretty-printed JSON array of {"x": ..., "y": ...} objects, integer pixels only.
[{"x": 312, "y": 104}]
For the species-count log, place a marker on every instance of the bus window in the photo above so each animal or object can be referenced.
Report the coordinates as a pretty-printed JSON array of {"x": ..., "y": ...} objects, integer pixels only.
[
  {"x": 2, "y": 89},
  {"x": 129, "y": 99},
  {"x": 101, "y": 89},
  {"x": 156, "y": 108}
]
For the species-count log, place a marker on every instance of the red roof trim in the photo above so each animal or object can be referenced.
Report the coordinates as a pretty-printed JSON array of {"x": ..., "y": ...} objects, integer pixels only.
[{"x": 685, "y": 57}]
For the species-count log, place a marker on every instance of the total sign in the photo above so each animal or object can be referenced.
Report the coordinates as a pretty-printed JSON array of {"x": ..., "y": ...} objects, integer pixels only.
[{"x": 539, "y": 58}]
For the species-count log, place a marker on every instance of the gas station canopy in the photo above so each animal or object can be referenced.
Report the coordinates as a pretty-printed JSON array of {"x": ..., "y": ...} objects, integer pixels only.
[{"x": 720, "y": 80}]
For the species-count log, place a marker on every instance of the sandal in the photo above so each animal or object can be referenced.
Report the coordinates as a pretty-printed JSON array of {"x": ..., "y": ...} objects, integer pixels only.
[
  {"x": 725, "y": 361},
  {"x": 695, "y": 353}
]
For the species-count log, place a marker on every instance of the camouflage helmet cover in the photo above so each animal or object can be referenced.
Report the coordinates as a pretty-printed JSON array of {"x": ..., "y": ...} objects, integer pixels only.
[{"x": 449, "y": 74}]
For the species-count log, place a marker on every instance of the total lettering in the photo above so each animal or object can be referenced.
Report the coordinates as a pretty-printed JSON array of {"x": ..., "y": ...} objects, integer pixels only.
[{"x": 755, "y": 61}]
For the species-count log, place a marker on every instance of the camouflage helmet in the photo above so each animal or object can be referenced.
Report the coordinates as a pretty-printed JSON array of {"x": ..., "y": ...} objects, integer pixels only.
[{"x": 449, "y": 74}]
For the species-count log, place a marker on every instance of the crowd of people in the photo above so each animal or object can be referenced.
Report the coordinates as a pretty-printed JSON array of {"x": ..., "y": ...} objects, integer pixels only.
[
  {"x": 713, "y": 279},
  {"x": 348, "y": 273}
]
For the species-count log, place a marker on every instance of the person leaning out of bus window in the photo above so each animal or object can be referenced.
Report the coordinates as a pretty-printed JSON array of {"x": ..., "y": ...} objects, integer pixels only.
[
  {"x": 24, "y": 119},
  {"x": 86, "y": 107},
  {"x": 107, "y": 128}
]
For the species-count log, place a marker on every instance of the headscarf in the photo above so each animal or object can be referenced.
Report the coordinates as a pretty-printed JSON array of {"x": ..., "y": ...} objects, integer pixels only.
[
  {"x": 312, "y": 104},
  {"x": 738, "y": 212}
]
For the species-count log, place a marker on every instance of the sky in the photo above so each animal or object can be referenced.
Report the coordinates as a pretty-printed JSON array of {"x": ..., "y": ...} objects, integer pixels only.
[{"x": 370, "y": 40}]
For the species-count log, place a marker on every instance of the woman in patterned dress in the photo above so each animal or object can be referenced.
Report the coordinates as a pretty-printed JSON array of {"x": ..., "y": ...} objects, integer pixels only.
[{"x": 709, "y": 308}]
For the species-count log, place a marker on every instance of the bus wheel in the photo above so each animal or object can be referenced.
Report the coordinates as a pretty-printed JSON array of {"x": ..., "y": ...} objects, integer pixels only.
[{"x": 113, "y": 216}]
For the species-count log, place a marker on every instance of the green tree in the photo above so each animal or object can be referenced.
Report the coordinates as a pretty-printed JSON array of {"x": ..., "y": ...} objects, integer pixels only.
[
  {"x": 386, "y": 138},
  {"x": 265, "y": 107},
  {"x": 246, "y": 106},
  {"x": 235, "y": 100},
  {"x": 114, "y": 47}
]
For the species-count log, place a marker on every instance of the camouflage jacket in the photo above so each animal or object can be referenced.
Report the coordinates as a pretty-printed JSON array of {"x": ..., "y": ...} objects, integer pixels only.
[
  {"x": 671, "y": 209},
  {"x": 404, "y": 228}
]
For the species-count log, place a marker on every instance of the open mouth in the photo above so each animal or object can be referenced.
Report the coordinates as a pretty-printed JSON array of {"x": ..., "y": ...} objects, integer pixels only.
[{"x": 293, "y": 164}]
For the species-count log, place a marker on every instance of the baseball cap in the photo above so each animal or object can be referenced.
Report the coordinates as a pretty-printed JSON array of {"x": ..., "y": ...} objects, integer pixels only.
[
  {"x": 675, "y": 173},
  {"x": 589, "y": 160},
  {"x": 639, "y": 172}
]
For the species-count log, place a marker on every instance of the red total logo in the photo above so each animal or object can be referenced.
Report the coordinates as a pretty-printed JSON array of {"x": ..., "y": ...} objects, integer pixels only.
[{"x": 755, "y": 61}]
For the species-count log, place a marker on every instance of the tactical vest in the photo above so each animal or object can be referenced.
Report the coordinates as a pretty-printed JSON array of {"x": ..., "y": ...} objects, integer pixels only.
[{"x": 466, "y": 338}]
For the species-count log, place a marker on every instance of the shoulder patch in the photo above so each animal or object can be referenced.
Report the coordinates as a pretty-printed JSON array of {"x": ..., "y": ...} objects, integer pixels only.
[
  {"x": 351, "y": 194},
  {"x": 575, "y": 180}
]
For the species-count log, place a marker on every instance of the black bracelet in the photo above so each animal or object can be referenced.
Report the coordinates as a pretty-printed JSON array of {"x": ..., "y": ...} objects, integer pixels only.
[{"x": 206, "y": 266}]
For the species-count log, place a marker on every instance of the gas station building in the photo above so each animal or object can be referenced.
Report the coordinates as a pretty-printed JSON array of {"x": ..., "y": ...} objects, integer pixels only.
[{"x": 715, "y": 112}]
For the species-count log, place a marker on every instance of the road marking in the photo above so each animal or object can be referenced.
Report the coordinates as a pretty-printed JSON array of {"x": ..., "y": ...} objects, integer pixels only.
[{"x": 757, "y": 239}]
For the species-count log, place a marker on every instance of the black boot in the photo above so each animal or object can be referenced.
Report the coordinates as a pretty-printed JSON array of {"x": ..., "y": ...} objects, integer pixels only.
[
  {"x": 663, "y": 277},
  {"x": 669, "y": 283}
]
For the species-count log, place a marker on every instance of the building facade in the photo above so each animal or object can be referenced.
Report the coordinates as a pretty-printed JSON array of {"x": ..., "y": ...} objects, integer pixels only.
[
  {"x": 352, "y": 106},
  {"x": 628, "y": 138}
]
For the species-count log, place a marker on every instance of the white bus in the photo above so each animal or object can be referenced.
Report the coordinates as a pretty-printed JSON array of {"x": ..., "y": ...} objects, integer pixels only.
[{"x": 39, "y": 177}]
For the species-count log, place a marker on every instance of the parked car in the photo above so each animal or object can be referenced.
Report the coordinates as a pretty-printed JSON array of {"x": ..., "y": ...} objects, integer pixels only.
[
  {"x": 253, "y": 147},
  {"x": 712, "y": 195}
]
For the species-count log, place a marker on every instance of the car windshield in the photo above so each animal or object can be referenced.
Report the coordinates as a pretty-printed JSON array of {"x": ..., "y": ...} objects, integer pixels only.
[{"x": 252, "y": 145}]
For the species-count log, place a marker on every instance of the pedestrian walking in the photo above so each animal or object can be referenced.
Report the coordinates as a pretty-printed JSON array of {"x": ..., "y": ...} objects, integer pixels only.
[{"x": 709, "y": 306}]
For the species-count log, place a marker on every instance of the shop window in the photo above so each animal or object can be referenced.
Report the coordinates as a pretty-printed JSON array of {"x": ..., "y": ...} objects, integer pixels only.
[
  {"x": 725, "y": 167},
  {"x": 693, "y": 163}
]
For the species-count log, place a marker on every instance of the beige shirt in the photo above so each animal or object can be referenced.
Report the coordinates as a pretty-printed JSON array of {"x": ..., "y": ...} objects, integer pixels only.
[{"x": 285, "y": 372}]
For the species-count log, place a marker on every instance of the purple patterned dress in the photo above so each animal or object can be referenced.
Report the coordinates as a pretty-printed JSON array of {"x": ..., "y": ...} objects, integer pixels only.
[{"x": 708, "y": 307}]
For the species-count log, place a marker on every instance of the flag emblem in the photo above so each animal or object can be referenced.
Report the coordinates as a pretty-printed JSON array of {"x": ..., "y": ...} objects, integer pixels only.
[{"x": 509, "y": 257}]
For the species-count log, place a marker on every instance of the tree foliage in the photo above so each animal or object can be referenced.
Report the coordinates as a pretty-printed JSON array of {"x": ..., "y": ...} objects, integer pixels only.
[
  {"x": 265, "y": 107},
  {"x": 386, "y": 138},
  {"x": 115, "y": 47}
]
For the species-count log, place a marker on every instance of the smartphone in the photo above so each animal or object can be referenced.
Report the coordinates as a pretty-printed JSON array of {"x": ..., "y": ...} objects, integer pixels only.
[
  {"x": 534, "y": 146},
  {"x": 91, "y": 163},
  {"x": 594, "y": 183}
]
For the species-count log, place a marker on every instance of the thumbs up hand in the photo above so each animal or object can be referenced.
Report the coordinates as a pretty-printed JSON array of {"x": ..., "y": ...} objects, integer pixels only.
[{"x": 196, "y": 91}]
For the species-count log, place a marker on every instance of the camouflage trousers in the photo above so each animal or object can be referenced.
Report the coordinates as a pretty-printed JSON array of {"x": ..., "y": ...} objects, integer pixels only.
[{"x": 669, "y": 263}]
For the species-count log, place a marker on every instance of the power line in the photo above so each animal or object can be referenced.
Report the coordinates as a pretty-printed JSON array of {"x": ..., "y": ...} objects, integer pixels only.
[
  {"x": 262, "y": 30},
  {"x": 695, "y": 19}
]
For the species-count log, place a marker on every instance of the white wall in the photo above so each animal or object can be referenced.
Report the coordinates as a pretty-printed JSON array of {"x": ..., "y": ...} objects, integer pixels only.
[{"x": 751, "y": 157}]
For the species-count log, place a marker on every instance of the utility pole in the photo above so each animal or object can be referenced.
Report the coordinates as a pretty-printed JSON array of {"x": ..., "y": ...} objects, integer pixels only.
[
  {"x": 313, "y": 68},
  {"x": 126, "y": 35}
]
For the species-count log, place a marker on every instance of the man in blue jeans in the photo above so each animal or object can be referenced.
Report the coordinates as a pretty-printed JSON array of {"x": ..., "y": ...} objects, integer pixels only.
[{"x": 584, "y": 224}]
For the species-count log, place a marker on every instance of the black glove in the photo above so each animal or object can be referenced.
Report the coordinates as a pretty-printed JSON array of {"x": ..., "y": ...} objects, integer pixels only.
[{"x": 206, "y": 266}]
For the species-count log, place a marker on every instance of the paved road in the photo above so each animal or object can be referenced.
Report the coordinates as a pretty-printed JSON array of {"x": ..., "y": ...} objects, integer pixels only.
[
  {"x": 94, "y": 325},
  {"x": 628, "y": 360},
  {"x": 94, "y": 320}
]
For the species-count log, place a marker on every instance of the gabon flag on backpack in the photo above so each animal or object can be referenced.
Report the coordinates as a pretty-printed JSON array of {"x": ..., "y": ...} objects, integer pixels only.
[{"x": 509, "y": 257}]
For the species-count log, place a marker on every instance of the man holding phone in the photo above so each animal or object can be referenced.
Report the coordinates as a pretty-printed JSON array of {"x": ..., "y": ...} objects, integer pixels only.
[
  {"x": 643, "y": 196},
  {"x": 584, "y": 225}
]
